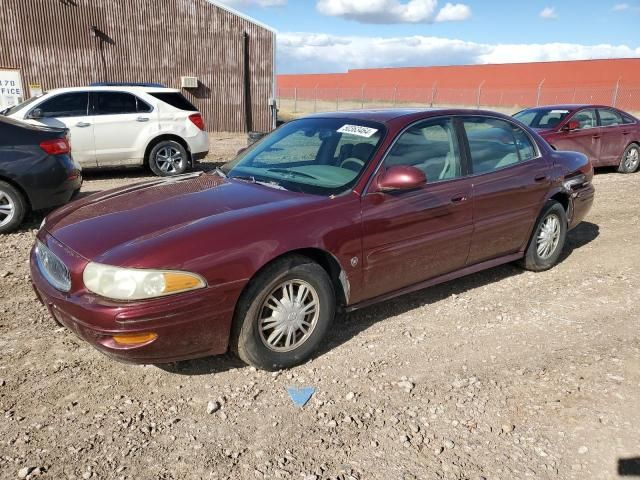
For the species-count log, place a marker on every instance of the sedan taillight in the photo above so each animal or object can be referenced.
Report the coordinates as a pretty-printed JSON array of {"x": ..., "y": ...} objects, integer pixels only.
[
  {"x": 56, "y": 146},
  {"x": 197, "y": 120}
]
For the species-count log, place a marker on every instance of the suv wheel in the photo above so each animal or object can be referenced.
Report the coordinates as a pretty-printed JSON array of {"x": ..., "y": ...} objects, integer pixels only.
[
  {"x": 630, "y": 159},
  {"x": 284, "y": 314},
  {"x": 547, "y": 241},
  {"x": 13, "y": 208},
  {"x": 168, "y": 158}
]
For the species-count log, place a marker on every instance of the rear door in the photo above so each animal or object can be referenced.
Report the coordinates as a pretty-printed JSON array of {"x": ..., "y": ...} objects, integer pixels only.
[
  {"x": 70, "y": 110},
  {"x": 615, "y": 136},
  {"x": 586, "y": 139},
  {"x": 412, "y": 236},
  {"x": 510, "y": 181},
  {"x": 122, "y": 126}
]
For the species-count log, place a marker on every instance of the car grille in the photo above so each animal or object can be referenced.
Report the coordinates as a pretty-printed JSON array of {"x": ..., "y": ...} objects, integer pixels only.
[{"x": 52, "y": 268}]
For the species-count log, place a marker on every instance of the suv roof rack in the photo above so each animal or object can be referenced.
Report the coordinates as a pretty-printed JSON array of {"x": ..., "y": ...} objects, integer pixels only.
[{"x": 127, "y": 84}]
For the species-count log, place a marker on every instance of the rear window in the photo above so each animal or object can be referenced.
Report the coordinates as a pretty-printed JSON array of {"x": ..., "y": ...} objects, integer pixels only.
[{"x": 175, "y": 99}]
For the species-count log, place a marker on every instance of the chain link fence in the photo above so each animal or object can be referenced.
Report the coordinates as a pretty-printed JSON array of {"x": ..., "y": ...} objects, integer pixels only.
[{"x": 300, "y": 101}]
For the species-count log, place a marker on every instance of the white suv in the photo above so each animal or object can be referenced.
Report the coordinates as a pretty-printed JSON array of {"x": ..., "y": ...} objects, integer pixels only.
[{"x": 123, "y": 125}]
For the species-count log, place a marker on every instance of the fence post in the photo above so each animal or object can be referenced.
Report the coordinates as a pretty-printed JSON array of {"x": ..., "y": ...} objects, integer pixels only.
[
  {"x": 337, "y": 99},
  {"x": 295, "y": 99},
  {"x": 315, "y": 100},
  {"x": 395, "y": 93},
  {"x": 480, "y": 94},
  {"x": 539, "y": 92},
  {"x": 433, "y": 93},
  {"x": 615, "y": 93},
  {"x": 362, "y": 97}
]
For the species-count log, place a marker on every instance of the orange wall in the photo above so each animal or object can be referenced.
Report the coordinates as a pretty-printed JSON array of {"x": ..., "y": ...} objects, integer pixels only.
[{"x": 517, "y": 75}]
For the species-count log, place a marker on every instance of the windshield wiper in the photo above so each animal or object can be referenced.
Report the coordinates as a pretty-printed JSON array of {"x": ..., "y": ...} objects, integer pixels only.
[
  {"x": 252, "y": 179},
  {"x": 291, "y": 172},
  {"x": 220, "y": 172}
]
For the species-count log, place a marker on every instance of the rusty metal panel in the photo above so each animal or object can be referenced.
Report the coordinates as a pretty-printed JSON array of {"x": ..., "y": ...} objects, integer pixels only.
[{"x": 51, "y": 41}]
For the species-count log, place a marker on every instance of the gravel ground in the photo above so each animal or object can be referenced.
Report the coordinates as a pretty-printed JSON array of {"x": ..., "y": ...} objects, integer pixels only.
[{"x": 504, "y": 374}]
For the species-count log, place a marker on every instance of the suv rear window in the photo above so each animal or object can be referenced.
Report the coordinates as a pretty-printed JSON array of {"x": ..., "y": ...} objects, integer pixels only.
[{"x": 175, "y": 99}]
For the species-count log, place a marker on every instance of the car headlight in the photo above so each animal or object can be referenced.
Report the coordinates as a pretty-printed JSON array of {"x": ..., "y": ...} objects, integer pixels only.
[{"x": 137, "y": 284}]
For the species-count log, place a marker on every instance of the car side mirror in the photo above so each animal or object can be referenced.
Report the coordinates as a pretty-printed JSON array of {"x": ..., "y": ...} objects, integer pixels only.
[
  {"x": 36, "y": 113},
  {"x": 401, "y": 177},
  {"x": 571, "y": 126}
]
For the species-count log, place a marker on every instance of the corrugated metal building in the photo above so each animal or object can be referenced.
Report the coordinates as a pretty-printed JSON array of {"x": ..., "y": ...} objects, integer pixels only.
[{"x": 64, "y": 43}]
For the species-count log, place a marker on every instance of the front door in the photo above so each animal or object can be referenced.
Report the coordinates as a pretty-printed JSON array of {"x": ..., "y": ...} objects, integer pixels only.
[
  {"x": 70, "y": 110},
  {"x": 585, "y": 139},
  {"x": 510, "y": 181},
  {"x": 412, "y": 236}
]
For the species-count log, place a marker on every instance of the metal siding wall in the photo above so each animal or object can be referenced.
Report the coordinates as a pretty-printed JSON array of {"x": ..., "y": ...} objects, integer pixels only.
[{"x": 153, "y": 41}]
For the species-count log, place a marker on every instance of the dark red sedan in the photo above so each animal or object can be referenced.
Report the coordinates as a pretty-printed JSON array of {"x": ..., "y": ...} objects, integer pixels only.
[
  {"x": 333, "y": 211},
  {"x": 608, "y": 136}
]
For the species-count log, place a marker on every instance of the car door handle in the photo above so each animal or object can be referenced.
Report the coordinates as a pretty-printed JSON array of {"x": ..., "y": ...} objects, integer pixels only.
[
  {"x": 459, "y": 199},
  {"x": 142, "y": 119},
  {"x": 626, "y": 133},
  {"x": 541, "y": 178},
  {"x": 597, "y": 137},
  {"x": 83, "y": 124}
]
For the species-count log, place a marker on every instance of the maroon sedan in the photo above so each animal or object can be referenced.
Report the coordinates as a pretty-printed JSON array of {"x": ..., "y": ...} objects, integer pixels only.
[
  {"x": 608, "y": 136},
  {"x": 333, "y": 211}
]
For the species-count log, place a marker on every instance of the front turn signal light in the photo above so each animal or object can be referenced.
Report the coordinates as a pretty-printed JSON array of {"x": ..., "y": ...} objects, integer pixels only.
[{"x": 134, "y": 338}]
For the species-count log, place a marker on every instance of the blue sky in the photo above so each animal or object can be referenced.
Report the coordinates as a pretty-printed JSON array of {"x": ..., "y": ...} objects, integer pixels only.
[{"x": 334, "y": 35}]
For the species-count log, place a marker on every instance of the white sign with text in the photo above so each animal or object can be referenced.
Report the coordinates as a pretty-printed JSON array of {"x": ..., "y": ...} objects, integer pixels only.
[{"x": 11, "y": 91}]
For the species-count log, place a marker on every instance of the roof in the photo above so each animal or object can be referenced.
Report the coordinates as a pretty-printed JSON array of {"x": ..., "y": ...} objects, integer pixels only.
[
  {"x": 568, "y": 106},
  {"x": 229, "y": 9},
  {"x": 389, "y": 114},
  {"x": 116, "y": 89}
]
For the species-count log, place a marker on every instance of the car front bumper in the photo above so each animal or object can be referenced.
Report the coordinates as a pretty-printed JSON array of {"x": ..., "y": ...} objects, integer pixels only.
[{"x": 191, "y": 325}]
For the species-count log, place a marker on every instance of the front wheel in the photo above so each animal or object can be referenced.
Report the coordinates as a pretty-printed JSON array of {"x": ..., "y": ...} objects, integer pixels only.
[
  {"x": 547, "y": 241},
  {"x": 284, "y": 314},
  {"x": 168, "y": 158},
  {"x": 630, "y": 159}
]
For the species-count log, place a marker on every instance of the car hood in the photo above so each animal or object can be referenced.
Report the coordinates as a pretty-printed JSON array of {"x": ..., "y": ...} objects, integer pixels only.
[{"x": 127, "y": 217}]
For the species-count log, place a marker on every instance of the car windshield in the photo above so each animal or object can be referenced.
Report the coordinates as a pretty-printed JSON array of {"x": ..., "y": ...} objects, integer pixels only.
[
  {"x": 323, "y": 156},
  {"x": 20, "y": 106},
  {"x": 542, "y": 118}
]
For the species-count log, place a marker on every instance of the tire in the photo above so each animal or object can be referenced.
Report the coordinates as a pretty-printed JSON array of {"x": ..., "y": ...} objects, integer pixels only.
[
  {"x": 630, "y": 160},
  {"x": 269, "y": 350},
  {"x": 535, "y": 260},
  {"x": 13, "y": 208},
  {"x": 168, "y": 158}
]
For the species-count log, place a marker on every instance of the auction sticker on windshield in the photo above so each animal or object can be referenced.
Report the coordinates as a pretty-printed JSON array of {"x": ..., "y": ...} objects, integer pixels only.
[{"x": 358, "y": 130}]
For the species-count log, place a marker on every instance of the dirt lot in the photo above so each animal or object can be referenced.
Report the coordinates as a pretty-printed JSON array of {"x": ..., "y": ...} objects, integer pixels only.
[{"x": 500, "y": 375}]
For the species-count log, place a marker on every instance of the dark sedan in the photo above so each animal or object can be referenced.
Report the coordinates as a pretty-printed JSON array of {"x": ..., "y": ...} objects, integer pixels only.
[
  {"x": 36, "y": 170},
  {"x": 333, "y": 211},
  {"x": 608, "y": 136}
]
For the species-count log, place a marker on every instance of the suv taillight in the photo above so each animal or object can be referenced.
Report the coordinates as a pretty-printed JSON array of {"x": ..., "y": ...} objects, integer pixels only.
[
  {"x": 197, "y": 120},
  {"x": 56, "y": 146}
]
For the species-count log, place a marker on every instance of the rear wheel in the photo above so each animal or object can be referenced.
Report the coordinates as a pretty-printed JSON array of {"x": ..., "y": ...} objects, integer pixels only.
[
  {"x": 547, "y": 241},
  {"x": 630, "y": 159},
  {"x": 284, "y": 314},
  {"x": 168, "y": 158},
  {"x": 13, "y": 207}
]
